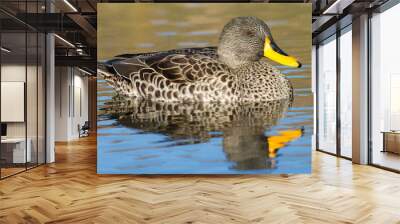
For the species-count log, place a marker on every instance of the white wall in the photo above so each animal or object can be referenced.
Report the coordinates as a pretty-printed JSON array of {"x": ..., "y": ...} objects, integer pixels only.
[
  {"x": 70, "y": 83},
  {"x": 13, "y": 72},
  {"x": 80, "y": 94},
  {"x": 62, "y": 83}
]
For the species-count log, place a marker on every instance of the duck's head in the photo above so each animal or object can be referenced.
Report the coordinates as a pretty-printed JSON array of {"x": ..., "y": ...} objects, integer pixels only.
[{"x": 248, "y": 39}]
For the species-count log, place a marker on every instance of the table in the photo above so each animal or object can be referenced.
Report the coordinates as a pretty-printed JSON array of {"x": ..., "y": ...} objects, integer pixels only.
[{"x": 391, "y": 141}]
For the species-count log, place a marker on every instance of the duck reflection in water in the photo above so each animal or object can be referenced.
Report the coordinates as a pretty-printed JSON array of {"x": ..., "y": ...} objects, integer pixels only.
[{"x": 242, "y": 126}]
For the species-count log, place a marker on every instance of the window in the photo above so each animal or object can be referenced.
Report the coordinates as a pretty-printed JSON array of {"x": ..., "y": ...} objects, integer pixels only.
[
  {"x": 327, "y": 95},
  {"x": 346, "y": 92},
  {"x": 385, "y": 89},
  {"x": 22, "y": 66}
]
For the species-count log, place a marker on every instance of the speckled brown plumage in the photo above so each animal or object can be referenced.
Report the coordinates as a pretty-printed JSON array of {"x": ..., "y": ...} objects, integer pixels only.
[{"x": 202, "y": 74}]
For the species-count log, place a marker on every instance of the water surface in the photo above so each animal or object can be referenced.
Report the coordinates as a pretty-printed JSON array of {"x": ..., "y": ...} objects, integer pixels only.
[{"x": 142, "y": 137}]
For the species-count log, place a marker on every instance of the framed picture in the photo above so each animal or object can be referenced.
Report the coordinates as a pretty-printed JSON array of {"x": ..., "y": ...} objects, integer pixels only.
[{"x": 204, "y": 88}]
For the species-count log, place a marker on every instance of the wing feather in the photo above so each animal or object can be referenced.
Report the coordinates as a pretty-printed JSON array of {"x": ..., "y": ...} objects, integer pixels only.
[{"x": 173, "y": 67}]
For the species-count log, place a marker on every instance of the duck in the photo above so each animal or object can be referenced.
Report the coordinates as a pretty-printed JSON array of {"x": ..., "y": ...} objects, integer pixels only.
[{"x": 237, "y": 70}]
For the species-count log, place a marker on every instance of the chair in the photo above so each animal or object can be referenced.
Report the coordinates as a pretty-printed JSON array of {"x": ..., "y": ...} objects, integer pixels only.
[{"x": 84, "y": 130}]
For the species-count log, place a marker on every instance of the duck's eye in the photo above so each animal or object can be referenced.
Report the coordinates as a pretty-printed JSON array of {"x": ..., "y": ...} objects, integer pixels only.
[{"x": 250, "y": 33}]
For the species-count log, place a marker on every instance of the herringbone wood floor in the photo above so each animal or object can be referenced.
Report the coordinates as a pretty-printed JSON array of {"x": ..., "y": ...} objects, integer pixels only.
[{"x": 70, "y": 191}]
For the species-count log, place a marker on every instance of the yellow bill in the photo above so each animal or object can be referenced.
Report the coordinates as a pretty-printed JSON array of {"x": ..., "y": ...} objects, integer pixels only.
[{"x": 273, "y": 52}]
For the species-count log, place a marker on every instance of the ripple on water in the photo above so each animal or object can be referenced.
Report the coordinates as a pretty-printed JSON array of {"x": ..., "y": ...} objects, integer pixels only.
[
  {"x": 193, "y": 44},
  {"x": 166, "y": 33},
  {"x": 158, "y": 22},
  {"x": 145, "y": 45},
  {"x": 202, "y": 33}
]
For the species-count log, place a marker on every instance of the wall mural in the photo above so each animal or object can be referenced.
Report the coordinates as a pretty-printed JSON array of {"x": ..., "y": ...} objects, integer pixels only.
[{"x": 204, "y": 88}]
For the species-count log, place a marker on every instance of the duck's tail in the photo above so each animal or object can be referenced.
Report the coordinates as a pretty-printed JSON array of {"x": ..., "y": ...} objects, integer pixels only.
[{"x": 120, "y": 83}]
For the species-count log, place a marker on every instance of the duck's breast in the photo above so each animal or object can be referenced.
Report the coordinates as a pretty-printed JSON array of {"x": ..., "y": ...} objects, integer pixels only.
[{"x": 262, "y": 82}]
